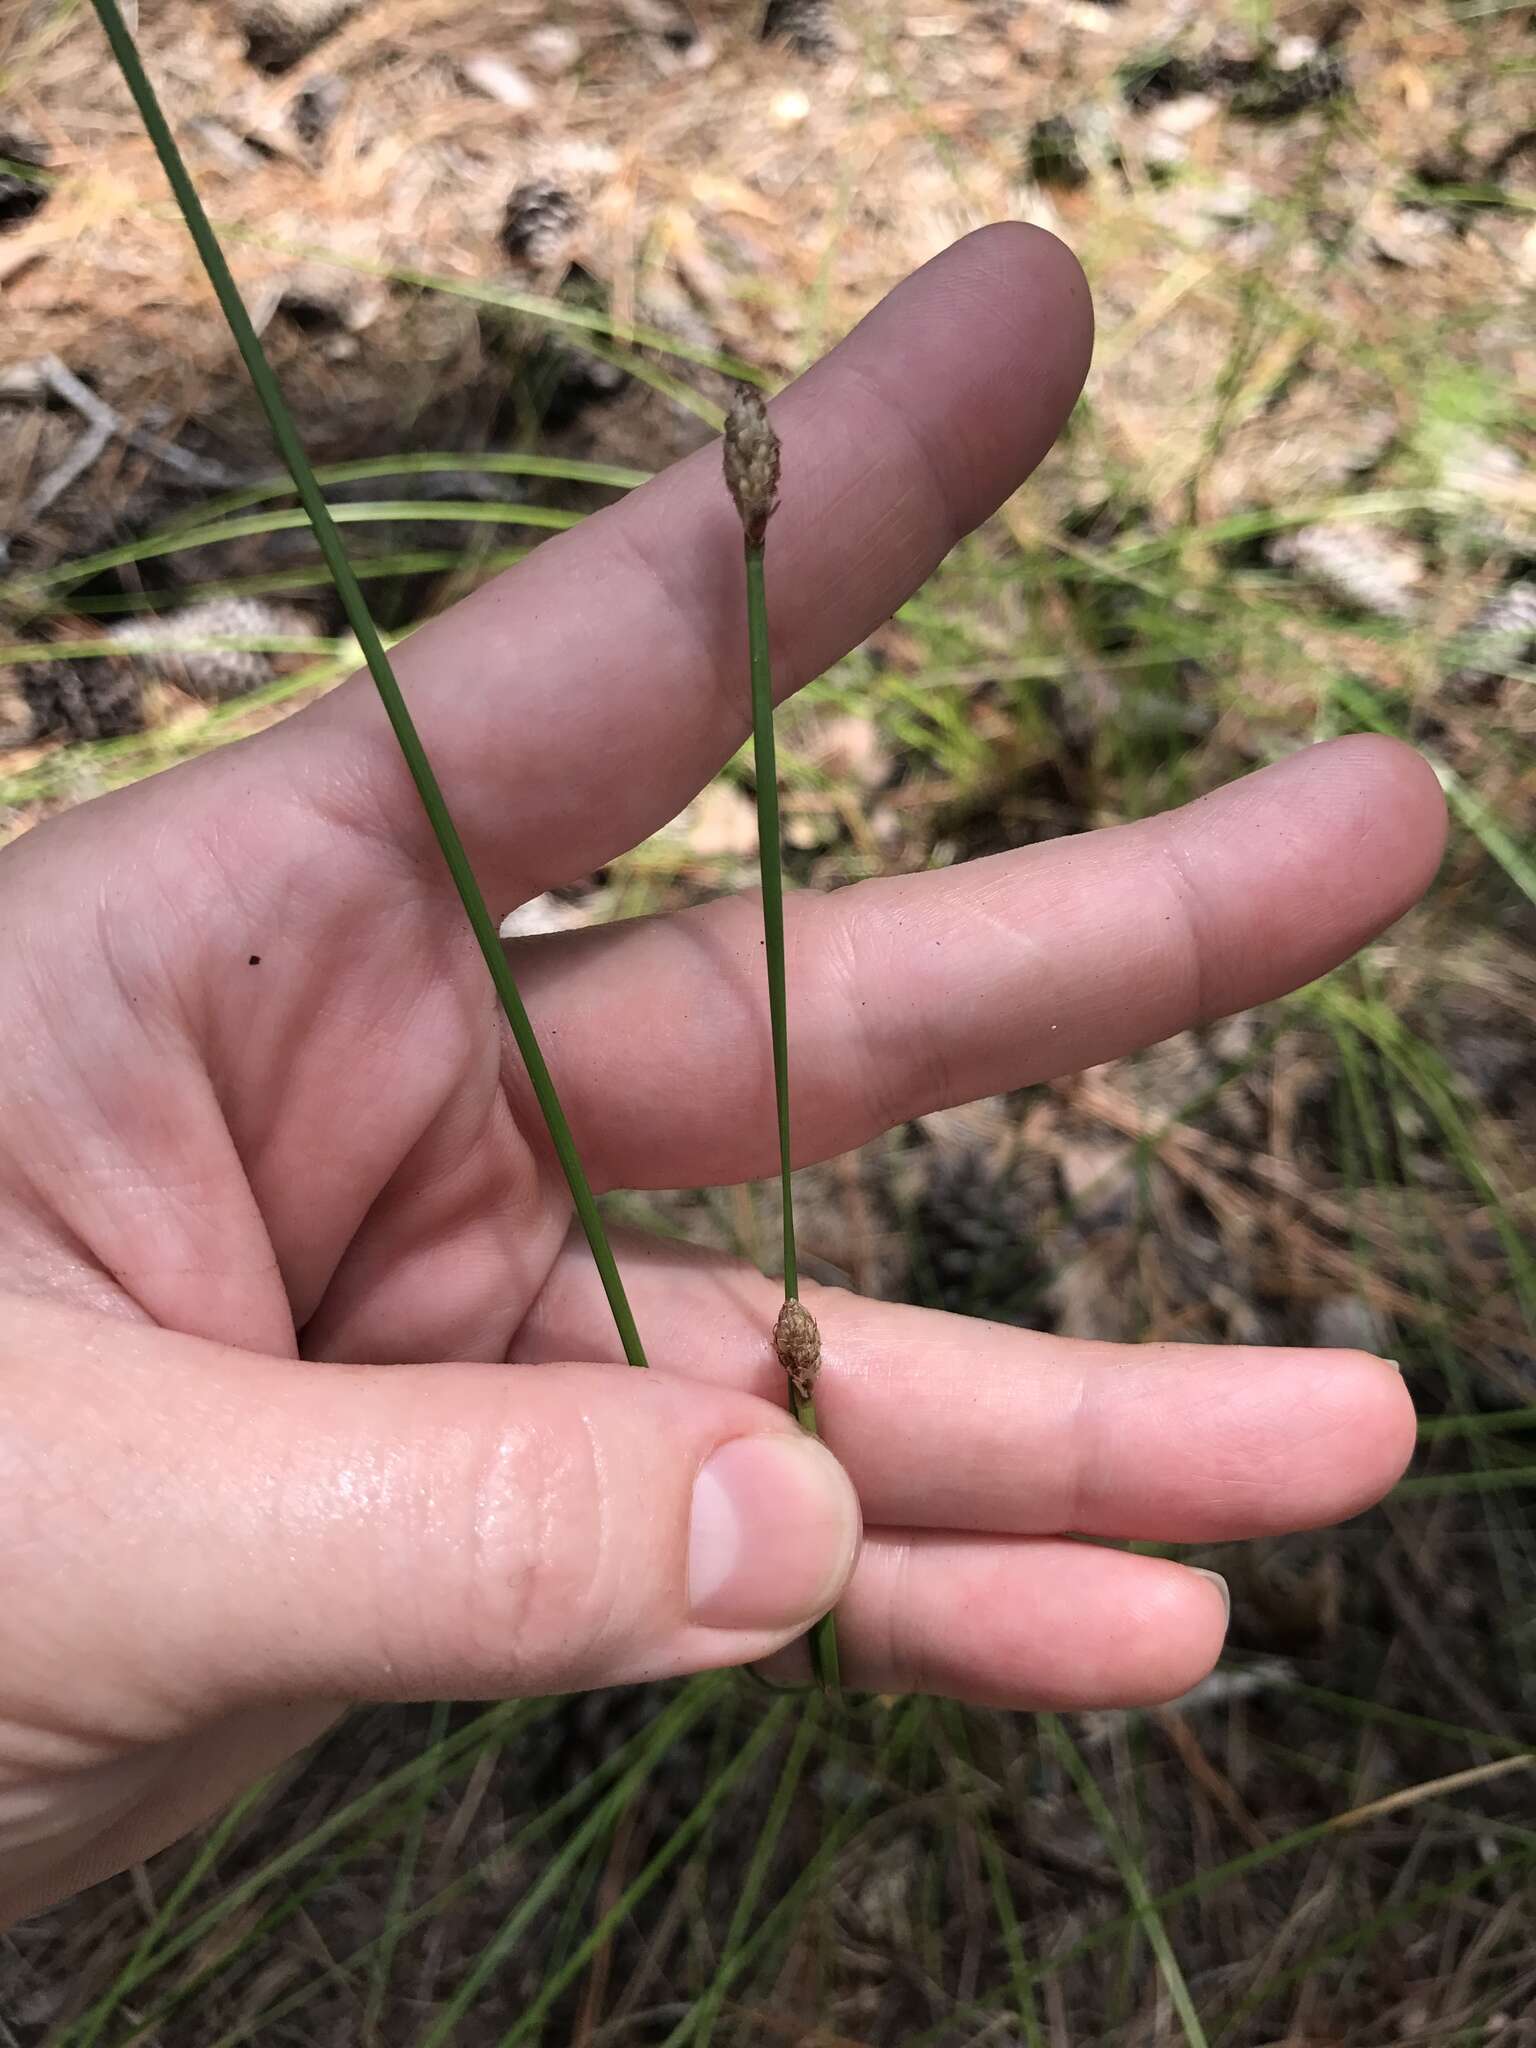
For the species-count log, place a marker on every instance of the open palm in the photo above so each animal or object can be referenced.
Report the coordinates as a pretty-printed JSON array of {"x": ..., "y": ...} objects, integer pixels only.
[{"x": 260, "y": 1112}]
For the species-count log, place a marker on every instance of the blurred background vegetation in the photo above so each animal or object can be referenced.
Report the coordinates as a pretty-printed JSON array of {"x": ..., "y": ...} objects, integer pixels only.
[{"x": 506, "y": 254}]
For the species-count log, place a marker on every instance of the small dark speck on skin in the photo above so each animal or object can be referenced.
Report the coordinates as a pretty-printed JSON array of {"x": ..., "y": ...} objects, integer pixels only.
[{"x": 254, "y": 961}]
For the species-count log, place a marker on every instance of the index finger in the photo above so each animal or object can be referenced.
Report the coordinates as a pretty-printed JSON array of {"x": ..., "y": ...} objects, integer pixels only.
[{"x": 577, "y": 702}]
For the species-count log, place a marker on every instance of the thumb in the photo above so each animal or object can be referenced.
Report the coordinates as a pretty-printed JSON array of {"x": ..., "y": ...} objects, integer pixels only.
[{"x": 247, "y": 1529}]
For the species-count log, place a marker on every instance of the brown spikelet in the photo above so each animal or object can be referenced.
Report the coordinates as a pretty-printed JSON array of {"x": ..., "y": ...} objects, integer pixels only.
[
  {"x": 751, "y": 462},
  {"x": 798, "y": 1343}
]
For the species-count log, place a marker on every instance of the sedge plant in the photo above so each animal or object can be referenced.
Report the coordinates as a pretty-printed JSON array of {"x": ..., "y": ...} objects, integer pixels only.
[
  {"x": 752, "y": 460},
  {"x": 752, "y": 471},
  {"x": 359, "y": 618}
]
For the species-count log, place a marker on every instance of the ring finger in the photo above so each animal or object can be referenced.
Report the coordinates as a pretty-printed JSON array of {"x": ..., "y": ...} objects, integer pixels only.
[{"x": 1025, "y": 1623}]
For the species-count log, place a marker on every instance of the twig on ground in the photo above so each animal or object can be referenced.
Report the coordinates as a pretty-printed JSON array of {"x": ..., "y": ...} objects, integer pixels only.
[{"x": 102, "y": 425}]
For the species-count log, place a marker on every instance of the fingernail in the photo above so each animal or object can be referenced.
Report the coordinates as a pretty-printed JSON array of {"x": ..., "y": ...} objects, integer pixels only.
[
  {"x": 1396, "y": 1365},
  {"x": 773, "y": 1534},
  {"x": 1219, "y": 1583}
]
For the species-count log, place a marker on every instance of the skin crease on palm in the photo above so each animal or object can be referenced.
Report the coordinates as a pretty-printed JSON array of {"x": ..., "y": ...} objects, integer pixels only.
[{"x": 307, "y": 1392}]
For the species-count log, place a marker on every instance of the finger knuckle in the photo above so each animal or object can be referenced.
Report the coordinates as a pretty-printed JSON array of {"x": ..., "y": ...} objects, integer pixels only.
[{"x": 539, "y": 1597}]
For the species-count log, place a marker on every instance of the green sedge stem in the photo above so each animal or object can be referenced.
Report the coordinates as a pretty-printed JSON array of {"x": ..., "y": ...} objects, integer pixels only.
[
  {"x": 360, "y": 620},
  {"x": 825, "y": 1665},
  {"x": 765, "y": 761},
  {"x": 823, "y": 1634}
]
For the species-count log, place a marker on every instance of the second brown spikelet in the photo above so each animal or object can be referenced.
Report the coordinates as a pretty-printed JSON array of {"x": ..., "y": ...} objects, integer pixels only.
[{"x": 798, "y": 1343}]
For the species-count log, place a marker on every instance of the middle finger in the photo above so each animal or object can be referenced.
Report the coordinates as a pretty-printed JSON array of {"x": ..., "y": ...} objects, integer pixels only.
[{"x": 914, "y": 993}]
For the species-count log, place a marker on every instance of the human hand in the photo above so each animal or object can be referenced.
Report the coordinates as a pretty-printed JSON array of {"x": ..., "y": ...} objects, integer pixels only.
[{"x": 262, "y": 1134}]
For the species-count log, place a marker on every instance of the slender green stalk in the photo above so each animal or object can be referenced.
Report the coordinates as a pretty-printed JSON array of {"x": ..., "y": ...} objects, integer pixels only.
[
  {"x": 360, "y": 620},
  {"x": 1142, "y": 1901},
  {"x": 371, "y": 569},
  {"x": 770, "y": 869},
  {"x": 382, "y": 1963},
  {"x": 745, "y": 1915},
  {"x": 623, "y": 1907},
  {"x": 752, "y": 475},
  {"x": 26, "y": 590},
  {"x": 427, "y": 462}
]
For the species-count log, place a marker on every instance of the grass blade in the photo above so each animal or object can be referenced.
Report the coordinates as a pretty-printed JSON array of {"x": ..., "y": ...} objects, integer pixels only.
[
  {"x": 765, "y": 763},
  {"x": 25, "y": 592},
  {"x": 714, "y": 1793},
  {"x": 1144, "y": 1904},
  {"x": 745, "y": 1914},
  {"x": 361, "y": 621}
]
